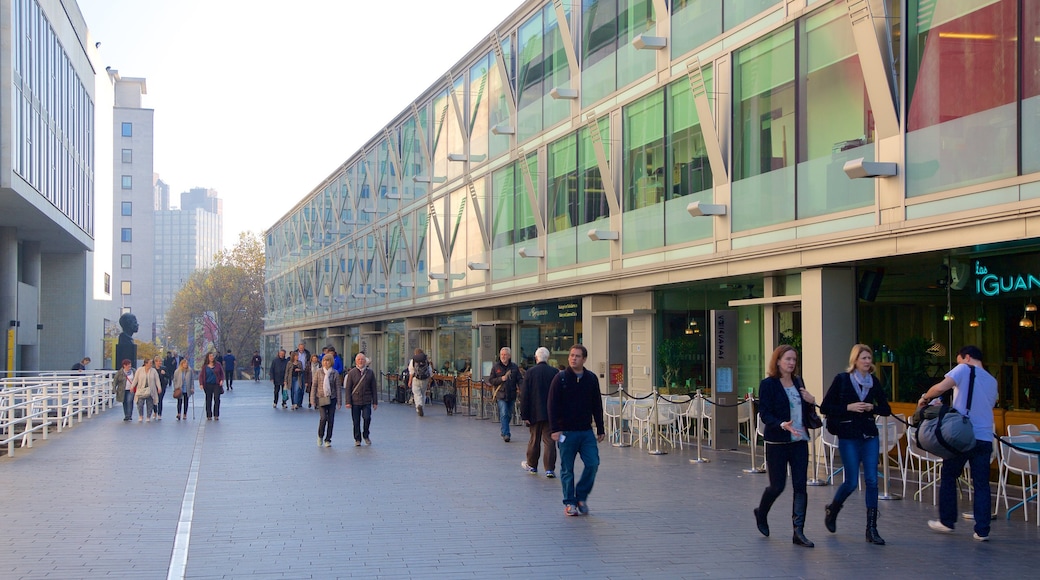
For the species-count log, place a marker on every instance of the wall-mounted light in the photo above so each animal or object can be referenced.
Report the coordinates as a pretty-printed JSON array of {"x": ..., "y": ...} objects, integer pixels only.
[
  {"x": 858, "y": 168},
  {"x": 404, "y": 284},
  {"x": 530, "y": 253},
  {"x": 697, "y": 209},
  {"x": 598, "y": 235},
  {"x": 478, "y": 266},
  {"x": 647, "y": 42},
  {"x": 564, "y": 93},
  {"x": 1030, "y": 307},
  {"x": 503, "y": 129},
  {"x": 380, "y": 290},
  {"x": 462, "y": 157},
  {"x": 438, "y": 276},
  {"x": 428, "y": 179}
]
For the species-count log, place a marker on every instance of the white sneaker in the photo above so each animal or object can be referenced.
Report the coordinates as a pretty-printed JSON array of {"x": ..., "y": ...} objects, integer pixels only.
[
  {"x": 980, "y": 538},
  {"x": 938, "y": 526},
  {"x": 320, "y": 442},
  {"x": 528, "y": 468}
]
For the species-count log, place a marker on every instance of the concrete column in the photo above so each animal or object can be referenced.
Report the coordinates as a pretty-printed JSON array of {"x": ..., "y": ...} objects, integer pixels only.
[
  {"x": 31, "y": 277},
  {"x": 8, "y": 288},
  {"x": 828, "y": 325}
]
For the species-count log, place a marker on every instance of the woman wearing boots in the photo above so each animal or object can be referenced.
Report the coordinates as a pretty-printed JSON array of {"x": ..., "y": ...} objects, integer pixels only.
[
  {"x": 852, "y": 401},
  {"x": 783, "y": 405}
]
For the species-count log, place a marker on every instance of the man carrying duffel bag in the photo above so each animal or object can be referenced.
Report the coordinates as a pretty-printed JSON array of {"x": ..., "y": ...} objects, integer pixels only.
[{"x": 974, "y": 395}]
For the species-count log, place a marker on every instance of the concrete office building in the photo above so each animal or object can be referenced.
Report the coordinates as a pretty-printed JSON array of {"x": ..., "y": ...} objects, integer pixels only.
[
  {"x": 611, "y": 172},
  {"x": 134, "y": 191},
  {"x": 186, "y": 240},
  {"x": 52, "y": 293}
]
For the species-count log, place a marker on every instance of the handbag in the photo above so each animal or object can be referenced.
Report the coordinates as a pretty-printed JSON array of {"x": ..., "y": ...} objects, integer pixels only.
[
  {"x": 324, "y": 401},
  {"x": 943, "y": 431},
  {"x": 285, "y": 394},
  {"x": 812, "y": 419},
  {"x": 177, "y": 392}
]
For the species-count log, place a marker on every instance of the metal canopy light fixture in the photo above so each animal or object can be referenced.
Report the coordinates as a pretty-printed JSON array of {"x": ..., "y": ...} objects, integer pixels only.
[{"x": 697, "y": 209}]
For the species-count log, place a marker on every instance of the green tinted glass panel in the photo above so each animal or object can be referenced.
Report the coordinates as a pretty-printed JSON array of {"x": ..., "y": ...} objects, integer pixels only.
[
  {"x": 736, "y": 12},
  {"x": 557, "y": 70},
  {"x": 688, "y": 176},
  {"x": 635, "y": 17},
  {"x": 599, "y": 50},
  {"x": 643, "y": 152},
  {"x": 694, "y": 22},
  {"x": 530, "y": 78}
]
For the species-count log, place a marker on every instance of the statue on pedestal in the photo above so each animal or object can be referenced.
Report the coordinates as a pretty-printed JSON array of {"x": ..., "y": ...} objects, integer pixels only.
[{"x": 125, "y": 348}]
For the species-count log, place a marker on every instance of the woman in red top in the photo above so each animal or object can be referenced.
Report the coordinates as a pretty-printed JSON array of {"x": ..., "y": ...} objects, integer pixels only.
[{"x": 211, "y": 378}]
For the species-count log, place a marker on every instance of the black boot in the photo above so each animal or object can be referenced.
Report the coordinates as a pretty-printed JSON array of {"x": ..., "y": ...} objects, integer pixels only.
[
  {"x": 831, "y": 519},
  {"x": 761, "y": 522},
  {"x": 872, "y": 535},
  {"x": 801, "y": 502}
]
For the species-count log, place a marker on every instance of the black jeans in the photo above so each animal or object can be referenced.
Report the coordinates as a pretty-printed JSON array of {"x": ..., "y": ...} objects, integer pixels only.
[
  {"x": 182, "y": 403},
  {"x": 978, "y": 459},
  {"x": 277, "y": 393},
  {"x": 162, "y": 395},
  {"x": 778, "y": 457},
  {"x": 326, "y": 420},
  {"x": 359, "y": 413},
  {"x": 212, "y": 400}
]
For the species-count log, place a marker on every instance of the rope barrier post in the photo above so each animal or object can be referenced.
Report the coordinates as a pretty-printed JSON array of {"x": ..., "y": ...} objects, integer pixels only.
[
  {"x": 700, "y": 427},
  {"x": 621, "y": 418},
  {"x": 885, "y": 494},
  {"x": 754, "y": 446},
  {"x": 814, "y": 481},
  {"x": 483, "y": 406},
  {"x": 654, "y": 418}
]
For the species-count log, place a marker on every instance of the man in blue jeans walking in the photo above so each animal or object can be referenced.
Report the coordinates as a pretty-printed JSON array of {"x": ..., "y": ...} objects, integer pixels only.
[
  {"x": 505, "y": 376},
  {"x": 574, "y": 403}
]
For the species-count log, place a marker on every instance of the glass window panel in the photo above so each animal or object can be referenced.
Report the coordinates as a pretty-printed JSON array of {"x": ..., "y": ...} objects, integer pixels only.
[
  {"x": 1030, "y": 87},
  {"x": 526, "y": 230},
  {"x": 499, "y": 95},
  {"x": 961, "y": 121},
  {"x": 439, "y": 151},
  {"x": 503, "y": 192},
  {"x": 126, "y": 261},
  {"x": 694, "y": 22},
  {"x": 479, "y": 99},
  {"x": 126, "y": 182},
  {"x": 837, "y": 124},
  {"x": 764, "y": 132},
  {"x": 636, "y": 17},
  {"x": 124, "y": 287},
  {"x": 593, "y": 211},
  {"x": 529, "y": 81},
  {"x": 736, "y": 12},
  {"x": 562, "y": 202},
  {"x": 599, "y": 50},
  {"x": 413, "y": 162},
  {"x": 127, "y": 155},
  {"x": 643, "y": 151},
  {"x": 557, "y": 69},
  {"x": 689, "y": 173},
  {"x": 456, "y": 144},
  {"x": 128, "y": 129},
  {"x": 126, "y": 234},
  {"x": 126, "y": 208}
]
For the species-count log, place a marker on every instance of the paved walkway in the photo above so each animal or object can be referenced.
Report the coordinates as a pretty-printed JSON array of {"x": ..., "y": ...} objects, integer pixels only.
[{"x": 252, "y": 496}]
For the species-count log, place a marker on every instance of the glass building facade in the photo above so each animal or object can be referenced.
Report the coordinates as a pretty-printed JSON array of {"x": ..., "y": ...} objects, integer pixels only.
[{"x": 819, "y": 167}]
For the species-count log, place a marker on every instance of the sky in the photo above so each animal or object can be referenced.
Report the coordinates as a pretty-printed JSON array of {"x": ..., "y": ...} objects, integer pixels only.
[{"x": 262, "y": 100}]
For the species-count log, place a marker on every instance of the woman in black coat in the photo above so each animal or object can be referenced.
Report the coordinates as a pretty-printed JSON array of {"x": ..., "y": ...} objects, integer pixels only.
[
  {"x": 784, "y": 404},
  {"x": 853, "y": 399}
]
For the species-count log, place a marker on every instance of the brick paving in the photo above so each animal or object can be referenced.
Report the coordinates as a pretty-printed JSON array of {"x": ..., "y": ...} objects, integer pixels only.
[{"x": 432, "y": 497}]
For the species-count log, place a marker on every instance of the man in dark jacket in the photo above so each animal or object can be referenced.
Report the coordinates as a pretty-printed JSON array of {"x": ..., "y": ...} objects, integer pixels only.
[
  {"x": 257, "y": 362},
  {"x": 574, "y": 403},
  {"x": 505, "y": 376},
  {"x": 278, "y": 375},
  {"x": 534, "y": 401},
  {"x": 360, "y": 395},
  {"x": 229, "y": 369}
]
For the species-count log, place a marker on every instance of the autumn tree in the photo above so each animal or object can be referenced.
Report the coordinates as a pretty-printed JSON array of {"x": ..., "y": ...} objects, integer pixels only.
[{"x": 233, "y": 289}]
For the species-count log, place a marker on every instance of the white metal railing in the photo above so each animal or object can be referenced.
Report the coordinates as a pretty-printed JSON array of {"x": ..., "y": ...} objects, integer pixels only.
[{"x": 31, "y": 405}]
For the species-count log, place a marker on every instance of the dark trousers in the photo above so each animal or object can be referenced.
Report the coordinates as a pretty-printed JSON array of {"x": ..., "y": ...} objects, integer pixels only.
[
  {"x": 212, "y": 401},
  {"x": 778, "y": 457},
  {"x": 326, "y": 420},
  {"x": 162, "y": 395},
  {"x": 277, "y": 392},
  {"x": 182, "y": 403},
  {"x": 359, "y": 413},
  {"x": 541, "y": 437},
  {"x": 978, "y": 460},
  {"x": 230, "y": 376},
  {"x": 256, "y": 373}
]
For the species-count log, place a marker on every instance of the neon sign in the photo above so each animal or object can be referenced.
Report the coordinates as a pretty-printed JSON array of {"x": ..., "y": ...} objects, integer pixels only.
[{"x": 991, "y": 285}]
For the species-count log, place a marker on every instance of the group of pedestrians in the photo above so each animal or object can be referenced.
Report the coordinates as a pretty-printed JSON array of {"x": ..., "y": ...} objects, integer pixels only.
[
  {"x": 147, "y": 386},
  {"x": 356, "y": 390},
  {"x": 854, "y": 398}
]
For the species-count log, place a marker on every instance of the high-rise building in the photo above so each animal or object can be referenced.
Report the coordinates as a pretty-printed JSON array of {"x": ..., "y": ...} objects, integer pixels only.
[
  {"x": 49, "y": 287},
  {"x": 134, "y": 196},
  {"x": 186, "y": 240}
]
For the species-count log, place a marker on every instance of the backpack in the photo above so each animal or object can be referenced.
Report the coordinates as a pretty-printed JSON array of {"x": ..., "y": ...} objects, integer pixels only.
[{"x": 422, "y": 368}]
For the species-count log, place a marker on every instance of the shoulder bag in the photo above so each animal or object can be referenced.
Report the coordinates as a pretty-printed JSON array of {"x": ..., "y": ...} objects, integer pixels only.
[{"x": 942, "y": 431}]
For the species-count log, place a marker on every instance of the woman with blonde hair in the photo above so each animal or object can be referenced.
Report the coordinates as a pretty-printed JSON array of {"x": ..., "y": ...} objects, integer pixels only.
[
  {"x": 184, "y": 386},
  {"x": 853, "y": 399},
  {"x": 784, "y": 405}
]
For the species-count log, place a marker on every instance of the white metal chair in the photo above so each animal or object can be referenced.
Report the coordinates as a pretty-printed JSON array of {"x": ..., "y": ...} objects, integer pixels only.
[
  {"x": 896, "y": 431},
  {"x": 744, "y": 423},
  {"x": 1016, "y": 430},
  {"x": 682, "y": 410},
  {"x": 1025, "y": 466},
  {"x": 612, "y": 411},
  {"x": 829, "y": 443},
  {"x": 664, "y": 422},
  {"x": 638, "y": 415},
  {"x": 927, "y": 467}
]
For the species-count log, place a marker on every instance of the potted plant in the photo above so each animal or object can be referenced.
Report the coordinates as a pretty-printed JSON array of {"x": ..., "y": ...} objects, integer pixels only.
[{"x": 675, "y": 356}]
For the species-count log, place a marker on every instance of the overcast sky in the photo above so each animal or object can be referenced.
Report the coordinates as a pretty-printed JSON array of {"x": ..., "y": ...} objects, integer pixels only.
[{"x": 262, "y": 100}]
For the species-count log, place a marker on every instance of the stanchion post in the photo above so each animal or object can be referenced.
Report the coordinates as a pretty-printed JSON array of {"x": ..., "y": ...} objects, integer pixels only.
[
  {"x": 483, "y": 405},
  {"x": 814, "y": 481},
  {"x": 884, "y": 458},
  {"x": 621, "y": 418},
  {"x": 754, "y": 444},
  {"x": 657, "y": 428},
  {"x": 699, "y": 399}
]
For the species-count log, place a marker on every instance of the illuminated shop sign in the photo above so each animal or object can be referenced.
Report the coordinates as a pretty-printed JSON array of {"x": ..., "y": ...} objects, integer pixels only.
[
  {"x": 552, "y": 312},
  {"x": 993, "y": 284}
]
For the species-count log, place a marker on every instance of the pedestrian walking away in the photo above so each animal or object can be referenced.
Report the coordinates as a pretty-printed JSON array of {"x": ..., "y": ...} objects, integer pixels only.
[
  {"x": 360, "y": 396},
  {"x": 229, "y": 370},
  {"x": 784, "y": 405},
  {"x": 574, "y": 405},
  {"x": 420, "y": 371},
  {"x": 279, "y": 368},
  {"x": 211, "y": 379},
  {"x": 534, "y": 411},
  {"x": 974, "y": 396},
  {"x": 323, "y": 395},
  {"x": 854, "y": 398},
  {"x": 504, "y": 377}
]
